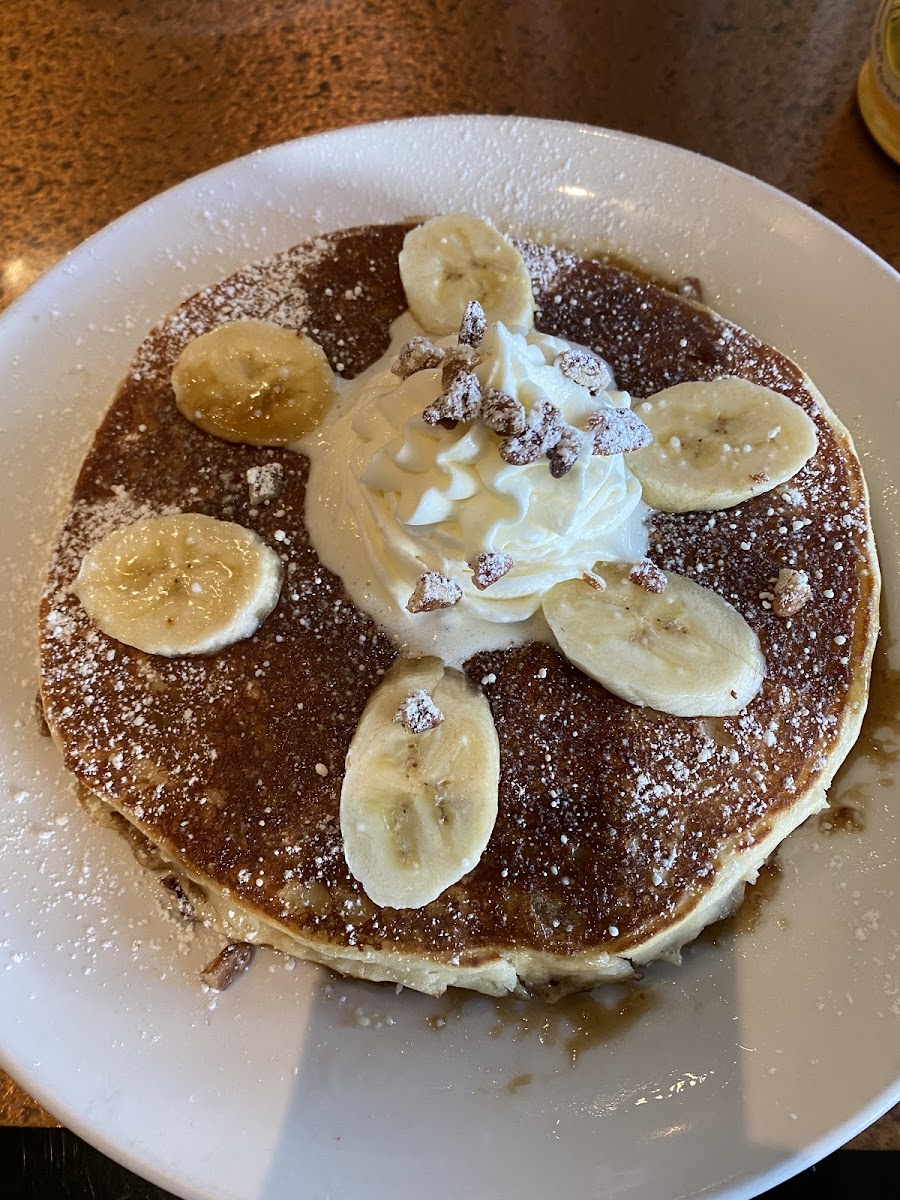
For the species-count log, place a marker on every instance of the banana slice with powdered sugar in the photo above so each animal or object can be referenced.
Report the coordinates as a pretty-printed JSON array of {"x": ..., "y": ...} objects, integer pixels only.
[
  {"x": 683, "y": 650},
  {"x": 253, "y": 382},
  {"x": 419, "y": 798},
  {"x": 453, "y": 259},
  {"x": 717, "y": 443},
  {"x": 180, "y": 584}
]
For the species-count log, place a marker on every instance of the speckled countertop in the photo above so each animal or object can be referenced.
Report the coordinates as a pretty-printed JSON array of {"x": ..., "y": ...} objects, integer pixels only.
[{"x": 104, "y": 103}]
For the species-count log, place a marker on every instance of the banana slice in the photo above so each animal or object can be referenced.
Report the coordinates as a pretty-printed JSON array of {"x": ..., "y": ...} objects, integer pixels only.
[
  {"x": 417, "y": 809},
  {"x": 717, "y": 443},
  {"x": 451, "y": 260},
  {"x": 684, "y": 651},
  {"x": 254, "y": 382},
  {"x": 183, "y": 584}
]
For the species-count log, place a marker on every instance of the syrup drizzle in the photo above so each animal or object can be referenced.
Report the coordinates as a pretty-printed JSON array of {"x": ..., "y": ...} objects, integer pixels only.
[
  {"x": 575, "y": 1024},
  {"x": 756, "y": 900},
  {"x": 518, "y": 1082}
]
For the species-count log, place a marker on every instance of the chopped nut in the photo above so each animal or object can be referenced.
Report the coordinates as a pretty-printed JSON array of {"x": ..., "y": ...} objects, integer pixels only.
[
  {"x": 585, "y": 369},
  {"x": 433, "y": 591},
  {"x": 43, "y": 727},
  {"x": 596, "y": 581},
  {"x": 760, "y": 477},
  {"x": 457, "y": 361},
  {"x": 617, "y": 431},
  {"x": 227, "y": 966},
  {"x": 418, "y": 713},
  {"x": 543, "y": 428},
  {"x": 502, "y": 413},
  {"x": 419, "y": 354},
  {"x": 474, "y": 324},
  {"x": 179, "y": 898},
  {"x": 647, "y": 574},
  {"x": 434, "y": 415},
  {"x": 460, "y": 402},
  {"x": 265, "y": 482},
  {"x": 792, "y": 591},
  {"x": 565, "y": 453},
  {"x": 489, "y": 567},
  {"x": 691, "y": 288},
  {"x": 522, "y": 450}
]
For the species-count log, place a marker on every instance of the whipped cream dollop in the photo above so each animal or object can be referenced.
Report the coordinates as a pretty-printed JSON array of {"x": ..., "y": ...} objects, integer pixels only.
[{"x": 391, "y": 497}]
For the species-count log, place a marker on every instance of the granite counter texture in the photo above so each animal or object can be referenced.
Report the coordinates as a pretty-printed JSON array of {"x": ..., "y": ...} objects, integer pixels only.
[{"x": 104, "y": 103}]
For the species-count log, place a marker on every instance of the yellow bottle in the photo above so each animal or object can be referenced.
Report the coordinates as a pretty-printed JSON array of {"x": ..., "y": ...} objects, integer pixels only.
[{"x": 878, "y": 89}]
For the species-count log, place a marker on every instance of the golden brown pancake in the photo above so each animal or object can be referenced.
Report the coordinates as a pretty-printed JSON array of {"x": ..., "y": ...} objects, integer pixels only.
[{"x": 621, "y": 831}]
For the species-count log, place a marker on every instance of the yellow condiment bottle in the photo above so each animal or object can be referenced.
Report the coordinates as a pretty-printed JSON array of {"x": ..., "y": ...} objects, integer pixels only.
[{"x": 878, "y": 89}]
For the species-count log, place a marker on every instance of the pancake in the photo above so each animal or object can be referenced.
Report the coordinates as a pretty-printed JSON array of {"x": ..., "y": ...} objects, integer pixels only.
[{"x": 621, "y": 831}]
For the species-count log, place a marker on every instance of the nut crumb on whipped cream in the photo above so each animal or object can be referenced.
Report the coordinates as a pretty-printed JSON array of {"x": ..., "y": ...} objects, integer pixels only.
[
  {"x": 433, "y": 591},
  {"x": 487, "y": 569},
  {"x": 457, "y": 360},
  {"x": 503, "y": 413},
  {"x": 419, "y": 354},
  {"x": 564, "y": 455},
  {"x": 544, "y": 426},
  {"x": 460, "y": 402},
  {"x": 586, "y": 369}
]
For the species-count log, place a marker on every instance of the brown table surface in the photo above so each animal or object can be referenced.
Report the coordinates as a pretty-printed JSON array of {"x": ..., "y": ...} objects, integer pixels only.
[{"x": 104, "y": 103}]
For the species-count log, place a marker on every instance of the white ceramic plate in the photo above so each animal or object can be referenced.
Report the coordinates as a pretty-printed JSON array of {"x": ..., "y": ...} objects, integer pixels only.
[{"x": 758, "y": 1056}]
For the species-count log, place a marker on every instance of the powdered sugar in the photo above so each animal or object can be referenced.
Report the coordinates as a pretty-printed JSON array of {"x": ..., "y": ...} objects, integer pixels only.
[{"x": 266, "y": 290}]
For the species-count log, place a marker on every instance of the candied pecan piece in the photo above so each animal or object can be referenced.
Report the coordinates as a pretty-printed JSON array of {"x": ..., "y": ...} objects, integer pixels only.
[
  {"x": 460, "y": 402},
  {"x": 647, "y": 574},
  {"x": 792, "y": 592},
  {"x": 584, "y": 368},
  {"x": 489, "y": 567},
  {"x": 458, "y": 361},
  {"x": 617, "y": 431},
  {"x": 418, "y": 713},
  {"x": 522, "y": 450},
  {"x": 473, "y": 326},
  {"x": 543, "y": 428},
  {"x": 227, "y": 966},
  {"x": 597, "y": 582},
  {"x": 503, "y": 413},
  {"x": 265, "y": 482},
  {"x": 565, "y": 453},
  {"x": 433, "y": 591},
  {"x": 419, "y": 354}
]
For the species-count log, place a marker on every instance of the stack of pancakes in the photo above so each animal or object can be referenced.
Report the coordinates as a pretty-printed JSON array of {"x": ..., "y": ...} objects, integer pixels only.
[{"x": 621, "y": 832}]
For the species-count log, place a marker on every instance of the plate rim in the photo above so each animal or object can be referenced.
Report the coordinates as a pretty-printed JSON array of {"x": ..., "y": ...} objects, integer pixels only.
[{"x": 400, "y": 124}]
